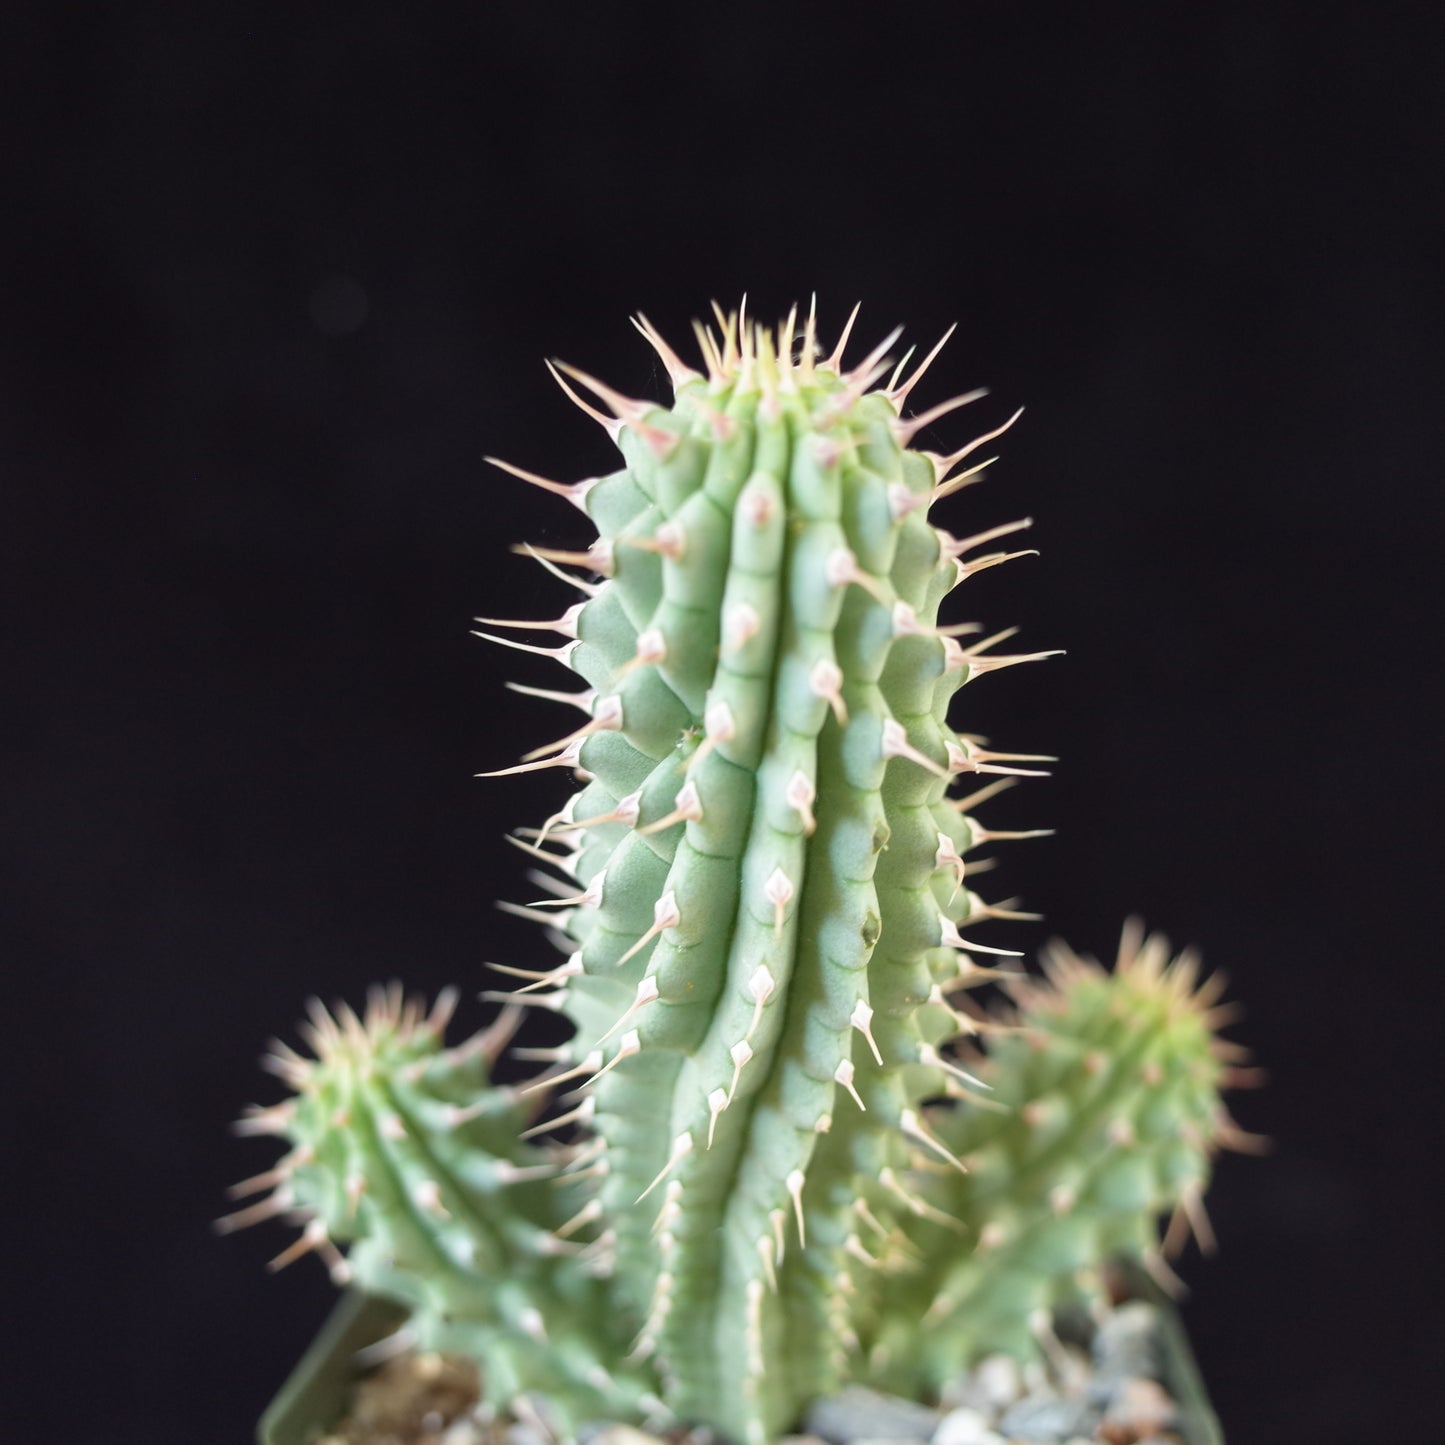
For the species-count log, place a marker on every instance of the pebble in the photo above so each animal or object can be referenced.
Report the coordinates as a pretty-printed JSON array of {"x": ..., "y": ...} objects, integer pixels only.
[
  {"x": 1140, "y": 1408},
  {"x": 964, "y": 1426},
  {"x": 1050, "y": 1418},
  {"x": 990, "y": 1387},
  {"x": 1129, "y": 1344},
  {"x": 617, "y": 1435},
  {"x": 857, "y": 1414}
]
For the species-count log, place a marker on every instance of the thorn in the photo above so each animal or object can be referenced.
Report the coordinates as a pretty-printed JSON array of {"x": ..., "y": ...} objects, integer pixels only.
[
  {"x": 896, "y": 745},
  {"x": 911, "y": 1125},
  {"x": 778, "y": 890},
  {"x": 800, "y": 795},
  {"x": 916, "y": 1204},
  {"x": 865, "y": 368},
  {"x": 566, "y": 624},
  {"x": 678, "y": 373},
  {"x": 810, "y": 339},
  {"x": 665, "y": 915},
  {"x": 561, "y": 861},
  {"x": 681, "y": 1148},
  {"x": 312, "y": 1237},
  {"x": 668, "y": 1214},
  {"x": 553, "y": 1002},
  {"x": 717, "y": 372},
  {"x": 902, "y": 500},
  {"x": 589, "y": 1212},
  {"x": 561, "y": 654},
  {"x": 1158, "y": 1270},
  {"x": 905, "y": 431},
  {"x": 760, "y": 988},
  {"x": 688, "y": 808},
  {"x": 928, "y": 1054},
  {"x": 957, "y": 484},
  {"x": 844, "y": 1074},
  {"x": 1228, "y": 1135},
  {"x": 607, "y": 719},
  {"x": 443, "y": 1010},
  {"x": 981, "y": 912},
  {"x": 574, "y": 492},
  {"x": 591, "y": 589},
  {"x": 861, "y": 1209},
  {"x": 854, "y": 1246},
  {"x": 977, "y": 665},
  {"x": 572, "y": 968},
  {"x": 732, "y": 328},
  {"x": 955, "y": 547},
  {"x": 612, "y": 425},
  {"x": 948, "y": 857},
  {"x": 717, "y": 1101},
  {"x": 948, "y": 463},
  {"x": 597, "y": 558},
  {"x": 979, "y": 836},
  {"x": 950, "y": 938},
  {"x": 835, "y": 362},
  {"x": 823, "y": 1123},
  {"x": 279, "y": 1202},
  {"x": 785, "y": 342},
  {"x": 651, "y": 650},
  {"x": 354, "y": 1188},
  {"x": 590, "y": 897},
  {"x": 841, "y": 567},
  {"x": 826, "y": 681},
  {"x": 549, "y": 1080},
  {"x": 965, "y": 756},
  {"x": 740, "y": 1053},
  {"x": 741, "y": 624},
  {"x": 580, "y": 1114},
  {"x": 794, "y": 1185},
  {"x": 907, "y": 623},
  {"x": 777, "y": 1219},
  {"x": 765, "y": 1253},
  {"x": 647, "y": 992},
  {"x": 989, "y": 790},
  {"x": 625, "y": 811},
  {"x": 899, "y": 394},
  {"x": 555, "y": 1055},
  {"x": 669, "y": 540},
  {"x": 490, "y": 1041},
  {"x": 756, "y": 506},
  {"x": 628, "y": 1047},
  {"x": 426, "y": 1194},
  {"x": 568, "y": 757},
  {"x": 899, "y": 370},
  {"x": 628, "y": 410},
  {"x": 272, "y": 1177},
  {"x": 862, "y": 1019}
]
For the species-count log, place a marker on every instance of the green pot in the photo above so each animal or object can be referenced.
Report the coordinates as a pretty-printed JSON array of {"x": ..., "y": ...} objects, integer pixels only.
[{"x": 315, "y": 1396}]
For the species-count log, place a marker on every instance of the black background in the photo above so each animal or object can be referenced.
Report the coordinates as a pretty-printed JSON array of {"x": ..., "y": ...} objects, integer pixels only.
[{"x": 275, "y": 279}]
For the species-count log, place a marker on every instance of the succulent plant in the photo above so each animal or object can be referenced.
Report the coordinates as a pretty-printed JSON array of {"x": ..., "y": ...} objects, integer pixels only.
[{"x": 783, "y": 1157}]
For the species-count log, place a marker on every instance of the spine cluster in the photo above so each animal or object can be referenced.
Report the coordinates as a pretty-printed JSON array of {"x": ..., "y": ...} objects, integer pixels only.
[{"x": 763, "y": 892}]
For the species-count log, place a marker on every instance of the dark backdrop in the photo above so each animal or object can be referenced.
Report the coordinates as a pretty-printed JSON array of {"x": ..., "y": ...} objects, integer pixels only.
[{"x": 276, "y": 278}]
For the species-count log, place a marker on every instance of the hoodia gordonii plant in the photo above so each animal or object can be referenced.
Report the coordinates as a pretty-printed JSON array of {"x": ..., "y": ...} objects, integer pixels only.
[{"x": 782, "y": 1157}]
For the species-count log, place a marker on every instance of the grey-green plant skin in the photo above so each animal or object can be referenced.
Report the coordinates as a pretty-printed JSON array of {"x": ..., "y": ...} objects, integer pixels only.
[{"x": 763, "y": 910}]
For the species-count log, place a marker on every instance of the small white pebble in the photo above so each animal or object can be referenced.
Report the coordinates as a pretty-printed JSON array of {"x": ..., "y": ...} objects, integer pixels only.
[
  {"x": 463, "y": 1432},
  {"x": 999, "y": 1380},
  {"x": 965, "y": 1427}
]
